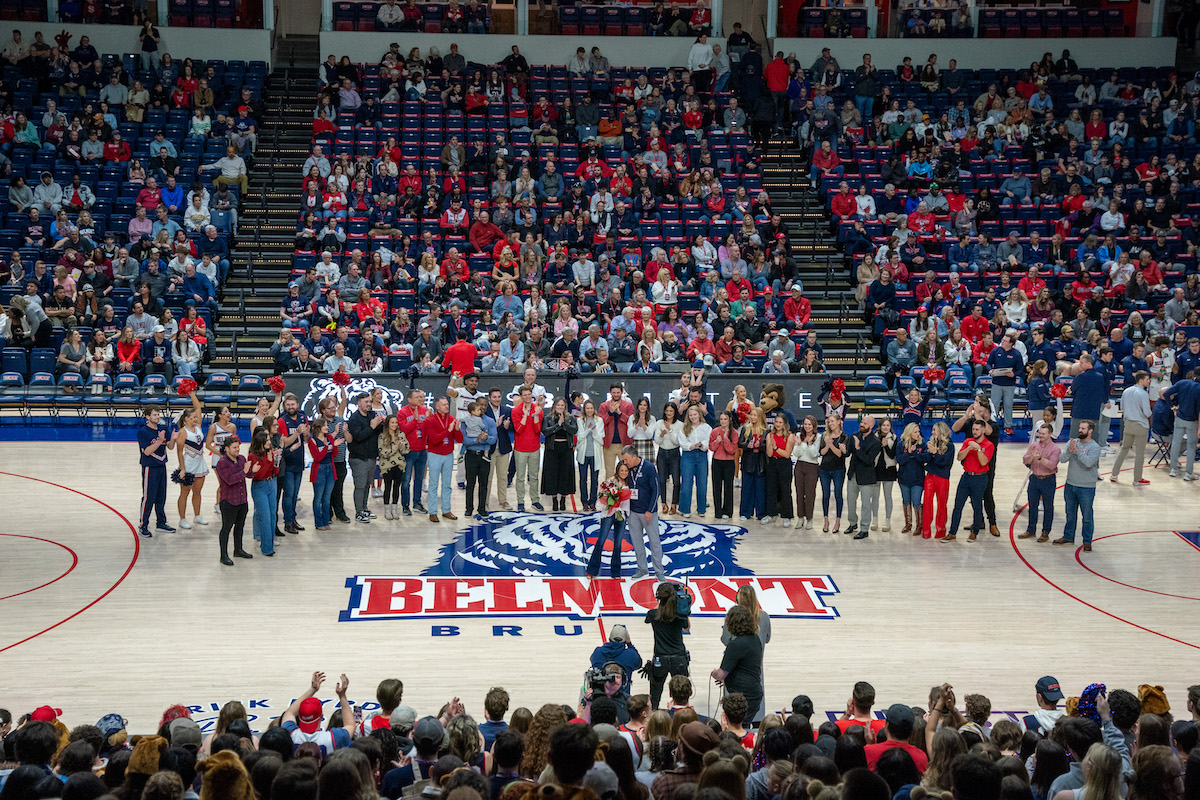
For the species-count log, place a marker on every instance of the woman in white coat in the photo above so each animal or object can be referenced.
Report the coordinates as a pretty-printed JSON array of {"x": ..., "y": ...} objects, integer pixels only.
[
  {"x": 666, "y": 436},
  {"x": 589, "y": 447}
]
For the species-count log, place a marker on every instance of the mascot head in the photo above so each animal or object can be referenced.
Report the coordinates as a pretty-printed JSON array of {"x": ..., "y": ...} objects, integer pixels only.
[{"x": 773, "y": 396}]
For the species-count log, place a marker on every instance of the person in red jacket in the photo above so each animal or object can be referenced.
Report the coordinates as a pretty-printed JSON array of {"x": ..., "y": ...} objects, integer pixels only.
[
  {"x": 484, "y": 234},
  {"x": 442, "y": 432},
  {"x": 592, "y": 169},
  {"x": 412, "y": 421},
  {"x": 975, "y": 326},
  {"x": 797, "y": 309},
  {"x": 842, "y": 204},
  {"x": 454, "y": 218},
  {"x": 459, "y": 357},
  {"x": 117, "y": 151},
  {"x": 453, "y": 262},
  {"x": 410, "y": 178},
  {"x": 527, "y": 448},
  {"x": 826, "y": 163},
  {"x": 615, "y": 412}
]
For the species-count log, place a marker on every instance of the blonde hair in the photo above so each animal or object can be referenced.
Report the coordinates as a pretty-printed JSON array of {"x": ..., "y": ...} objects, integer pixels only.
[
  {"x": 939, "y": 440},
  {"x": 758, "y": 421},
  {"x": 911, "y": 435}
]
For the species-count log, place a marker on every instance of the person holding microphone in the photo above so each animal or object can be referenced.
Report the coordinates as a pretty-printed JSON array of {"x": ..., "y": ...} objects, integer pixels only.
[{"x": 154, "y": 444}]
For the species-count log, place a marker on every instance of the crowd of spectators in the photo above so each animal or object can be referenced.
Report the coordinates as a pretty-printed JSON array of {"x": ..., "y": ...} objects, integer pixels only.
[
  {"x": 618, "y": 746},
  {"x": 122, "y": 203},
  {"x": 613, "y": 222}
]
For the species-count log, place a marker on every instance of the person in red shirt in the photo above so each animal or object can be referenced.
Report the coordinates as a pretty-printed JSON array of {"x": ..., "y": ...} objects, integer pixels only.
[
  {"x": 453, "y": 262},
  {"x": 797, "y": 309},
  {"x": 975, "y": 455},
  {"x": 826, "y": 163},
  {"x": 454, "y": 219},
  {"x": 925, "y": 290},
  {"x": 1031, "y": 284},
  {"x": 592, "y": 169},
  {"x": 410, "y": 178},
  {"x": 775, "y": 74},
  {"x": 842, "y": 204},
  {"x": 701, "y": 346},
  {"x": 955, "y": 292},
  {"x": 736, "y": 284},
  {"x": 442, "y": 433},
  {"x": 484, "y": 234},
  {"x": 459, "y": 357},
  {"x": 117, "y": 151},
  {"x": 733, "y": 711},
  {"x": 412, "y": 422},
  {"x": 858, "y": 709},
  {"x": 527, "y": 448},
  {"x": 149, "y": 198},
  {"x": 615, "y": 411},
  {"x": 975, "y": 326},
  {"x": 896, "y": 732},
  {"x": 981, "y": 351}
]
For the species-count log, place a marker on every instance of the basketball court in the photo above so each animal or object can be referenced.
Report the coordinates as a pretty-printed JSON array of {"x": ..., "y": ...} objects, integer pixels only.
[{"x": 94, "y": 620}]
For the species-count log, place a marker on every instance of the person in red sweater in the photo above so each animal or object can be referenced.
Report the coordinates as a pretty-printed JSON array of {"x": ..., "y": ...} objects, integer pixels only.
[
  {"x": 117, "y": 151},
  {"x": 592, "y": 169},
  {"x": 843, "y": 204},
  {"x": 980, "y": 353},
  {"x": 615, "y": 411},
  {"x": 442, "y": 433},
  {"x": 527, "y": 448},
  {"x": 975, "y": 326},
  {"x": 454, "y": 219},
  {"x": 701, "y": 346},
  {"x": 484, "y": 234},
  {"x": 453, "y": 262},
  {"x": 826, "y": 163},
  {"x": 925, "y": 290},
  {"x": 1031, "y": 284},
  {"x": 797, "y": 309},
  {"x": 896, "y": 732},
  {"x": 459, "y": 357},
  {"x": 410, "y": 178},
  {"x": 412, "y": 422}
]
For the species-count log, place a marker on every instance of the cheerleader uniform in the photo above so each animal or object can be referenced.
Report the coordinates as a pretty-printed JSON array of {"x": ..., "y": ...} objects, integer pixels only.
[
  {"x": 220, "y": 436},
  {"x": 193, "y": 453}
]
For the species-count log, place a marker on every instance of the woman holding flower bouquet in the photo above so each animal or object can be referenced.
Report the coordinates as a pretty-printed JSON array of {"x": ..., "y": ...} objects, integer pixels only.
[{"x": 614, "y": 515}]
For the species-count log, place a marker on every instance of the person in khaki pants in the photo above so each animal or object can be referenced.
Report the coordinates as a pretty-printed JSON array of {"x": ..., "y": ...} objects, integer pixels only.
[
  {"x": 527, "y": 448},
  {"x": 616, "y": 413},
  {"x": 502, "y": 413},
  {"x": 1135, "y": 411}
]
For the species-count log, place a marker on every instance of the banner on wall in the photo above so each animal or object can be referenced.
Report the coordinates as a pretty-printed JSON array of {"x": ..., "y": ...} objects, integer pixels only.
[{"x": 800, "y": 391}]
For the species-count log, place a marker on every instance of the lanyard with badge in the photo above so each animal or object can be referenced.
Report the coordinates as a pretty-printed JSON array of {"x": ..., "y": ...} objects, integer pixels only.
[{"x": 633, "y": 490}]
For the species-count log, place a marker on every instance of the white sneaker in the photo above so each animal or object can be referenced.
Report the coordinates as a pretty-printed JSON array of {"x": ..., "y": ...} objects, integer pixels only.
[
  {"x": 741, "y": 518},
  {"x": 787, "y": 523},
  {"x": 217, "y": 509},
  {"x": 376, "y": 493},
  {"x": 737, "y": 482},
  {"x": 1174, "y": 473},
  {"x": 766, "y": 520},
  {"x": 183, "y": 523},
  {"x": 808, "y": 526},
  {"x": 199, "y": 520},
  {"x": 1191, "y": 476},
  {"x": 686, "y": 516},
  {"x": 887, "y": 525}
]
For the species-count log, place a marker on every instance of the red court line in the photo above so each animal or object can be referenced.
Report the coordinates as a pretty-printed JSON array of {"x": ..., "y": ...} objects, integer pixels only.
[
  {"x": 1012, "y": 540},
  {"x": 74, "y": 562},
  {"x": 136, "y": 551},
  {"x": 1189, "y": 542},
  {"x": 1079, "y": 559}
]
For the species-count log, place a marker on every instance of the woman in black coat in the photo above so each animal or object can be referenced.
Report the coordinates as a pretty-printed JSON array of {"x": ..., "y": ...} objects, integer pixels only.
[{"x": 558, "y": 463}]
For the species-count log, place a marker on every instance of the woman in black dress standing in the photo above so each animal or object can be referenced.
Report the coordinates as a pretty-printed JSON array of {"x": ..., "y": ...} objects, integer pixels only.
[
  {"x": 670, "y": 655},
  {"x": 558, "y": 464}
]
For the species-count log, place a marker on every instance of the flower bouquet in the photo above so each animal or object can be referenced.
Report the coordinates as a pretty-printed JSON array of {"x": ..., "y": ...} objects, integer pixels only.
[{"x": 612, "y": 494}]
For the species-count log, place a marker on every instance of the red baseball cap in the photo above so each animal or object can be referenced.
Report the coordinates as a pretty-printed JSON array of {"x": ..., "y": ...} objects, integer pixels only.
[
  {"x": 45, "y": 714},
  {"x": 310, "y": 715}
]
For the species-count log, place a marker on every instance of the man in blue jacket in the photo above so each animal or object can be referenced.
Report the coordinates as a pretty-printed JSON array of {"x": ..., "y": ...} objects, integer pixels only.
[
  {"x": 479, "y": 438},
  {"x": 1089, "y": 393},
  {"x": 1004, "y": 365},
  {"x": 643, "y": 513},
  {"x": 618, "y": 649},
  {"x": 1186, "y": 416},
  {"x": 198, "y": 289},
  {"x": 216, "y": 246},
  {"x": 501, "y": 414}
]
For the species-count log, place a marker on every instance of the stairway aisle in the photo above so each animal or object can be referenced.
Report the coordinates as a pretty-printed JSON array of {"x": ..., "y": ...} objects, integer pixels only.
[
  {"x": 820, "y": 263},
  {"x": 263, "y": 259}
]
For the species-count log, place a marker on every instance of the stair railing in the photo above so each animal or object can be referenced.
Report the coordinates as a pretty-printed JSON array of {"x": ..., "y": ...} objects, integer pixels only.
[
  {"x": 858, "y": 352},
  {"x": 841, "y": 312},
  {"x": 828, "y": 274},
  {"x": 233, "y": 354},
  {"x": 242, "y": 309}
]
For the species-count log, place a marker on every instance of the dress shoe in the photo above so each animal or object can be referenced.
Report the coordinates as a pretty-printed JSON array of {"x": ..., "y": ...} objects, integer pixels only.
[
  {"x": 434, "y": 518},
  {"x": 241, "y": 554},
  {"x": 227, "y": 561},
  {"x": 1027, "y": 535},
  {"x": 449, "y": 516},
  {"x": 994, "y": 531},
  {"x": 1062, "y": 541}
]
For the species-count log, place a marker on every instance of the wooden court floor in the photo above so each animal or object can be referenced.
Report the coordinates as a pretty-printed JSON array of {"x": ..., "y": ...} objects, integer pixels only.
[{"x": 93, "y": 620}]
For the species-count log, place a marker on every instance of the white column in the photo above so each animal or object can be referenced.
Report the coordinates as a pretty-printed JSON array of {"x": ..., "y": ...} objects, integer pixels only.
[
  {"x": 1157, "y": 10},
  {"x": 162, "y": 13},
  {"x": 718, "y": 9},
  {"x": 326, "y": 14},
  {"x": 268, "y": 15},
  {"x": 522, "y": 17},
  {"x": 772, "y": 27}
]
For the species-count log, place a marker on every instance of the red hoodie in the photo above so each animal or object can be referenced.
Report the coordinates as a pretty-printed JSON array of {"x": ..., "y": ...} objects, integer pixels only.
[
  {"x": 412, "y": 423},
  {"x": 528, "y": 437}
]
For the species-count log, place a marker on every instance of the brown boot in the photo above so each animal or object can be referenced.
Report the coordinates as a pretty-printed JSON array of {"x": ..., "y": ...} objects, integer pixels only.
[
  {"x": 918, "y": 521},
  {"x": 907, "y": 519}
]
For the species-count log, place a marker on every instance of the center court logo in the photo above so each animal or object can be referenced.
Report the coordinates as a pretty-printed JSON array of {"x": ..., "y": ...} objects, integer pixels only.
[{"x": 527, "y": 565}]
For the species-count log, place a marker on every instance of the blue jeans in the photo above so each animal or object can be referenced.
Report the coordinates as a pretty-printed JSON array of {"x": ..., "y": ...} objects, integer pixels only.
[
  {"x": 754, "y": 495},
  {"x": 322, "y": 492},
  {"x": 911, "y": 495},
  {"x": 291, "y": 491},
  {"x": 441, "y": 471},
  {"x": 414, "y": 473},
  {"x": 865, "y": 105},
  {"x": 1041, "y": 490},
  {"x": 263, "y": 493},
  {"x": 971, "y": 486},
  {"x": 693, "y": 468},
  {"x": 1078, "y": 501},
  {"x": 617, "y": 529},
  {"x": 588, "y": 477},
  {"x": 836, "y": 478}
]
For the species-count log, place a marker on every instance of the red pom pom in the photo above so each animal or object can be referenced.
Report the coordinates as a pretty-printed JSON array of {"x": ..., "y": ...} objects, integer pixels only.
[
  {"x": 276, "y": 384},
  {"x": 839, "y": 386},
  {"x": 186, "y": 387},
  {"x": 1058, "y": 390},
  {"x": 341, "y": 378},
  {"x": 934, "y": 375}
]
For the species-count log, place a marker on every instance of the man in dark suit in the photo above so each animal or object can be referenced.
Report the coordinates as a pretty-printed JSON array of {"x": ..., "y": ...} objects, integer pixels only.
[
  {"x": 862, "y": 462},
  {"x": 501, "y": 412}
]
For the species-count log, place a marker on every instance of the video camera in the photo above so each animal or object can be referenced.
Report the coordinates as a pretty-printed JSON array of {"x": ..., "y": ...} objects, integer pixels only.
[{"x": 597, "y": 680}]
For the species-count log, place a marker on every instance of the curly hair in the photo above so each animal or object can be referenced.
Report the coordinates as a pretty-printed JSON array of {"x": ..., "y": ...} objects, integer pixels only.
[
  {"x": 739, "y": 622},
  {"x": 537, "y": 739},
  {"x": 462, "y": 738}
]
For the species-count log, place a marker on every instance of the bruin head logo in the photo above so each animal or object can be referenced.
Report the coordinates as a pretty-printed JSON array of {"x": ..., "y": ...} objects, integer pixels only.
[
  {"x": 320, "y": 388},
  {"x": 559, "y": 545}
]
